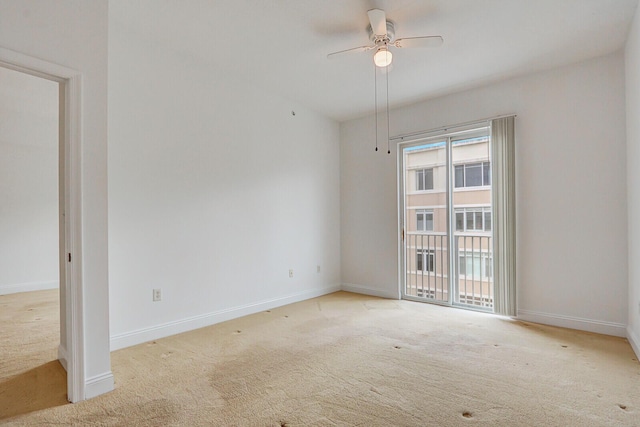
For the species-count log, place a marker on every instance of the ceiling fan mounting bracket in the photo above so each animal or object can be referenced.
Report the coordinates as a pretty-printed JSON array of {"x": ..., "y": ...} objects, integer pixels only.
[{"x": 383, "y": 39}]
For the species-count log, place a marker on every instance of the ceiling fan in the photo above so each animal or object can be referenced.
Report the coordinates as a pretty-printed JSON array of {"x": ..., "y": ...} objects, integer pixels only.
[{"x": 382, "y": 34}]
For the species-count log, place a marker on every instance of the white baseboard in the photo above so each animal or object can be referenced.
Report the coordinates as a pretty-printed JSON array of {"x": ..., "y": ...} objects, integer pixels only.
[
  {"x": 589, "y": 325},
  {"x": 62, "y": 356},
  {"x": 99, "y": 384},
  {"x": 366, "y": 290},
  {"x": 634, "y": 341},
  {"x": 28, "y": 287},
  {"x": 139, "y": 336}
]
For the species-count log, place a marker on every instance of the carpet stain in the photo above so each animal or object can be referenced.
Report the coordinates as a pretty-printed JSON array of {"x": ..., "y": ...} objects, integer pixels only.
[
  {"x": 467, "y": 414},
  {"x": 284, "y": 424},
  {"x": 623, "y": 407},
  {"x": 397, "y": 347},
  {"x": 565, "y": 346},
  {"x": 238, "y": 331},
  {"x": 286, "y": 317}
]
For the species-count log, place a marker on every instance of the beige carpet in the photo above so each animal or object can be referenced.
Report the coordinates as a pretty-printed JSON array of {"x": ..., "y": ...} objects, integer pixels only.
[
  {"x": 30, "y": 376},
  {"x": 352, "y": 360}
]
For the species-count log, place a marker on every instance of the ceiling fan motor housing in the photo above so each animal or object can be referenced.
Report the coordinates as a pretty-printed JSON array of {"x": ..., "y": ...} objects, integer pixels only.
[{"x": 388, "y": 38}]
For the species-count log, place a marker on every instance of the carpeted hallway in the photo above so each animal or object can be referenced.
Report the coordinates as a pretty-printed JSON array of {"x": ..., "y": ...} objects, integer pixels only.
[{"x": 338, "y": 360}]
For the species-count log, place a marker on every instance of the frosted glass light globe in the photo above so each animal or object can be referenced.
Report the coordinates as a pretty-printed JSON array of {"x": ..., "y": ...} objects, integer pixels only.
[{"x": 382, "y": 57}]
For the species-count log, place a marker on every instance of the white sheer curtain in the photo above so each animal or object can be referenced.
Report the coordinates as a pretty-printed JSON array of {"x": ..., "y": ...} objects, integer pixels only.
[{"x": 504, "y": 214}]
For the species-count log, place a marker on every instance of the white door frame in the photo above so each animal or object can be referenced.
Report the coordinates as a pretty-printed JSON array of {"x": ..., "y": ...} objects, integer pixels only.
[{"x": 71, "y": 352}]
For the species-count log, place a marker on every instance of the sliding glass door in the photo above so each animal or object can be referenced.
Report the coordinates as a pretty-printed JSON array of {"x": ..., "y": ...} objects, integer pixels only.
[{"x": 446, "y": 219}]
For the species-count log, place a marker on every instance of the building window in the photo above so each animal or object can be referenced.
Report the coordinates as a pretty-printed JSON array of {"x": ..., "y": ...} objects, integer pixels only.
[
  {"x": 425, "y": 260},
  {"x": 424, "y": 220},
  {"x": 475, "y": 264},
  {"x": 473, "y": 175},
  {"x": 487, "y": 219},
  {"x": 473, "y": 219},
  {"x": 424, "y": 179}
]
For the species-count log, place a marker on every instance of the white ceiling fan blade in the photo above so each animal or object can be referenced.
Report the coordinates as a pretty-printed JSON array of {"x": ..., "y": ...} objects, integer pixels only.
[
  {"x": 378, "y": 20},
  {"x": 352, "y": 50},
  {"x": 426, "y": 41}
]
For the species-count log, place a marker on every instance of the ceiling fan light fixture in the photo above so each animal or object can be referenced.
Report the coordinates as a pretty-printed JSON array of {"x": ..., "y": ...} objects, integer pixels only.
[{"x": 382, "y": 57}]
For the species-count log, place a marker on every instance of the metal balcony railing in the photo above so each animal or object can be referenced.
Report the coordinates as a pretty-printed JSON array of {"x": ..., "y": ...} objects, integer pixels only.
[
  {"x": 474, "y": 269},
  {"x": 427, "y": 267}
]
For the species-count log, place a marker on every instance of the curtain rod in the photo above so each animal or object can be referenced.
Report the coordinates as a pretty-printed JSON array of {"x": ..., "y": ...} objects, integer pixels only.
[{"x": 447, "y": 128}]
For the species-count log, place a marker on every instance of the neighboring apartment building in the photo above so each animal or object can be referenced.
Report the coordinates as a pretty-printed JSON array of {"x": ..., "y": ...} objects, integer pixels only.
[{"x": 427, "y": 239}]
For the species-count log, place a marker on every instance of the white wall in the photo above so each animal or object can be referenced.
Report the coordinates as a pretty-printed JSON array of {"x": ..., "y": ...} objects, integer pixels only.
[
  {"x": 632, "y": 60},
  {"x": 571, "y": 192},
  {"x": 28, "y": 183},
  {"x": 215, "y": 191},
  {"x": 73, "y": 33}
]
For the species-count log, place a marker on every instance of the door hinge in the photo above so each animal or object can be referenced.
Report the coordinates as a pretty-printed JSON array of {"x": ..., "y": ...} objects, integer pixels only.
[{"x": 69, "y": 256}]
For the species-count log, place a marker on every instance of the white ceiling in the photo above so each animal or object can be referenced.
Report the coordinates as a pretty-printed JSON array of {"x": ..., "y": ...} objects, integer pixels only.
[{"x": 282, "y": 44}]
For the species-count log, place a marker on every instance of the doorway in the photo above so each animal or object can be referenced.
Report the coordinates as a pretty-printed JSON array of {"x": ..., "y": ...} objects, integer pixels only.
[
  {"x": 30, "y": 240},
  {"x": 29, "y": 226},
  {"x": 446, "y": 219},
  {"x": 71, "y": 349}
]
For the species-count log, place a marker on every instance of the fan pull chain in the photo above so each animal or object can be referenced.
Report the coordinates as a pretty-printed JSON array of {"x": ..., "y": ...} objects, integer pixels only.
[
  {"x": 388, "y": 135},
  {"x": 375, "y": 91}
]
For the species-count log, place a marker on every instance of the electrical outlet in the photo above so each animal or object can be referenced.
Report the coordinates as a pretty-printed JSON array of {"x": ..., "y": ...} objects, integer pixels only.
[
  {"x": 318, "y": 269},
  {"x": 157, "y": 295},
  {"x": 291, "y": 272}
]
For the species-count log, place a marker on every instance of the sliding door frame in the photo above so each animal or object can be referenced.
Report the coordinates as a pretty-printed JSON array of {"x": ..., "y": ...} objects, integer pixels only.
[{"x": 447, "y": 135}]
